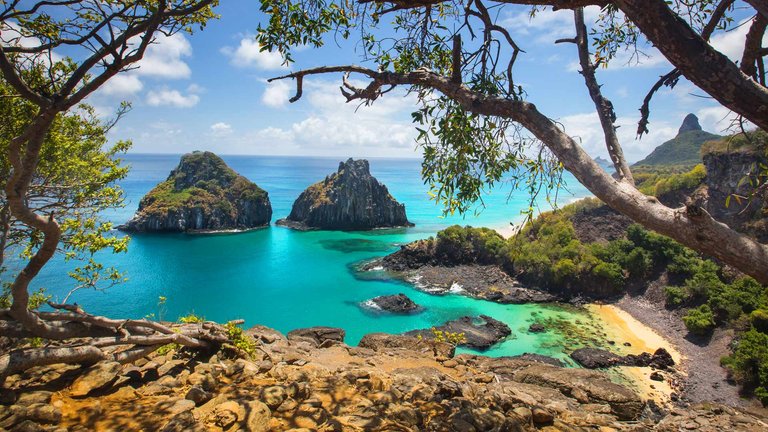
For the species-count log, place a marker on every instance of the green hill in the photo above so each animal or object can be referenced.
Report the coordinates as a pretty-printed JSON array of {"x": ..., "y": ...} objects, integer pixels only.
[{"x": 684, "y": 149}]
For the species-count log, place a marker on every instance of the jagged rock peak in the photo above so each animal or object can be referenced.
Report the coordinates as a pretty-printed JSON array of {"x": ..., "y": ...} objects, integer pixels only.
[
  {"x": 690, "y": 123},
  {"x": 202, "y": 194},
  {"x": 349, "y": 199}
]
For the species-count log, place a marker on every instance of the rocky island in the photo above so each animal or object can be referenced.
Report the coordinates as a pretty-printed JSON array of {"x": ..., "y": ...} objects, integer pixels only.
[
  {"x": 350, "y": 199},
  {"x": 202, "y": 194}
]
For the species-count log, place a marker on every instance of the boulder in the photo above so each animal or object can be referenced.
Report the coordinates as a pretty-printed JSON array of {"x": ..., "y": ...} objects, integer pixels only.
[
  {"x": 318, "y": 335},
  {"x": 536, "y": 328},
  {"x": 95, "y": 378},
  {"x": 398, "y": 303},
  {"x": 585, "y": 386},
  {"x": 383, "y": 341},
  {"x": 479, "y": 332},
  {"x": 202, "y": 194},
  {"x": 350, "y": 199}
]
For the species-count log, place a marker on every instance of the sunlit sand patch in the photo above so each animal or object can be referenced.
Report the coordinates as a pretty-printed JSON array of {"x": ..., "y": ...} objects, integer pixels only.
[{"x": 622, "y": 327}]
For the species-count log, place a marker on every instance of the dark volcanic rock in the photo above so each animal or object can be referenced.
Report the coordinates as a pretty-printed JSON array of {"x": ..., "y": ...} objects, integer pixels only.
[
  {"x": 479, "y": 332},
  {"x": 350, "y": 199},
  {"x": 398, "y": 303},
  {"x": 202, "y": 194},
  {"x": 536, "y": 328},
  {"x": 595, "y": 358},
  {"x": 690, "y": 123}
]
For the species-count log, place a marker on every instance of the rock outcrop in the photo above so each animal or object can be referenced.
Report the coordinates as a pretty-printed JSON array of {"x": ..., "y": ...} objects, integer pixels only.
[
  {"x": 350, "y": 199},
  {"x": 202, "y": 194},
  {"x": 595, "y": 358},
  {"x": 729, "y": 174},
  {"x": 397, "y": 303},
  {"x": 684, "y": 149},
  {"x": 479, "y": 332},
  {"x": 389, "y": 386}
]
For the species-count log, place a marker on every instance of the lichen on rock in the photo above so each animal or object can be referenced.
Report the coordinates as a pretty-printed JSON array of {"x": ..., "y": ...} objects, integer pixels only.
[
  {"x": 202, "y": 194},
  {"x": 349, "y": 199}
]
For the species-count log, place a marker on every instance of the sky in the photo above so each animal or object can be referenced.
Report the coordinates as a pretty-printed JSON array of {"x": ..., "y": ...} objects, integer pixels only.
[{"x": 209, "y": 91}]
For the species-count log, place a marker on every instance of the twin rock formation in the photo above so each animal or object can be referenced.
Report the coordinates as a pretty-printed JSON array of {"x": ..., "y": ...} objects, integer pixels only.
[{"x": 204, "y": 194}]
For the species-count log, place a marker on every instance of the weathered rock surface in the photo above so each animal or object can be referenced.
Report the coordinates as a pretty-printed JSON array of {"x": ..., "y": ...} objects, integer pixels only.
[
  {"x": 595, "y": 358},
  {"x": 386, "y": 342},
  {"x": 397, "y": 303},
  {"x": 388, "y": 387},
  {"x": 319, "y": 335},
  {"x": 350, "y": 199},
  {"x": 202, "y": 194},
  {"x": 479, "y": 332}
]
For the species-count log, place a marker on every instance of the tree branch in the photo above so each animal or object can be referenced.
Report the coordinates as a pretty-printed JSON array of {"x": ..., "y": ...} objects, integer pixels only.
[
  {"x": 603, "y": 106},
  {"x": 694, "y": 229}
]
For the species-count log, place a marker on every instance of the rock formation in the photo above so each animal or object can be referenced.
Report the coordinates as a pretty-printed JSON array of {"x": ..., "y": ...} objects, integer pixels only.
[
  {"x": 202, "y": 194},
  {"x": 595, "y": 358},
  {"x": 684, "y": 149},
  {"x": 479, "y": 332},
  {"x": 350, "y": 199},
  {"x": 392, "y": 384},
  {"x": 398, "y": 303}
]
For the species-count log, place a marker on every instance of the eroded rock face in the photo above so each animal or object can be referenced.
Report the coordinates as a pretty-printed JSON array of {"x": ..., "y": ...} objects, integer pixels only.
[
  {"x": 350, "y": 199},
  {"x": 479, "y": 332},
  {"x": 202, "y": 194},
  {"x": 319, "y": 335}
]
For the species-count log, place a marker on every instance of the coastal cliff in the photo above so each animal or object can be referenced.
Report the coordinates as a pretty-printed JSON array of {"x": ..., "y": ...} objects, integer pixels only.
[
  {"x": 350, "y": 199},
  {"x": 202, "y": 194}
]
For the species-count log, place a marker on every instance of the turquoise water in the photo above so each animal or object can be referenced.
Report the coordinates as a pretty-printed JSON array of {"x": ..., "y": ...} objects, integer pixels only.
[{"x": 288, "y": 279}]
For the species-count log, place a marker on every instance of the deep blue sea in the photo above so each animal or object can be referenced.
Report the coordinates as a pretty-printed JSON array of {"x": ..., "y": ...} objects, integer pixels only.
[{"x": 288, "y": 279}]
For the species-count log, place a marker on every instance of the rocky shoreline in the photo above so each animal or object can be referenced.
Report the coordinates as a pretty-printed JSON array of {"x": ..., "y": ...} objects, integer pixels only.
[{"x": 302, "y": 383}]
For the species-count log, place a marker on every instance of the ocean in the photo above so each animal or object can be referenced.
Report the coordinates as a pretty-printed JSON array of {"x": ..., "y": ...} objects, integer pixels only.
[{"x": 288, "y": 279}]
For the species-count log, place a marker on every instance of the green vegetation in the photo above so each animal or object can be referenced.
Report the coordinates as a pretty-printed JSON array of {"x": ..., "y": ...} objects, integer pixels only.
[
  {"x": 548, "y": 254},
  {"x": 240, "y": 340},
  {"x": 684, "y": 149},
  {"x": 751, "y": 142},
  {"x": 749, "y": 363},
  {"x": 202, "y": 180},
  {"x": 74, "y": 181},
  {"x": 657, "y": 183}
]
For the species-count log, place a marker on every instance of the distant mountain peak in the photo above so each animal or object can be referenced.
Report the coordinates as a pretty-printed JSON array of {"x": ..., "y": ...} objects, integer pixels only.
[{"x": 690, "y": 123}]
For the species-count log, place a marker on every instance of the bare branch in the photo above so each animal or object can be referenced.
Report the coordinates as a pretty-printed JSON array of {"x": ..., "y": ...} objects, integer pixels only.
[{"x": 603, "y": 106}]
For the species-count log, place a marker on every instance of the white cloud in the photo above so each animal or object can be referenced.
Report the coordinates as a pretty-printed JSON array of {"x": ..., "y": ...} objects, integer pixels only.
[
  {"x": 249, "y": 54},
  {"x": 585, "y": 129},
  {"x": 164, "y": 58},
  {"x": 276, "y": 94},
  {"x": 547, "y": 25},
  {"x": 335, "y": 127},
  {"x": 166, "y": 97},
  {"x": 221, "y": 129},
  {"x": 122, "y": 85}
]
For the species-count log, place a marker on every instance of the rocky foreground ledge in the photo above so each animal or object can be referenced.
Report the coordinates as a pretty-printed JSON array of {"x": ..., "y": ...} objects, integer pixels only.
[{"x": 311, "y": 381}]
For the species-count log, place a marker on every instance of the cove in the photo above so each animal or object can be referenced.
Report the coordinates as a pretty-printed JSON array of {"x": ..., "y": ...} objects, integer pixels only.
[{"x": 288, "y": 279}]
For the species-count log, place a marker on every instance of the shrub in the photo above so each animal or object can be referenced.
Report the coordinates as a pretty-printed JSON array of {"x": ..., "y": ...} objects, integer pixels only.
[
  {"x": 676, "y": 296},
  {"x": 749, "y": 363},
  {"x": 759, "y": 320},
  {"x": 700, "y": 321},
  {"x": 638, "y": 263},
  {"x": 610, "y": 273}
]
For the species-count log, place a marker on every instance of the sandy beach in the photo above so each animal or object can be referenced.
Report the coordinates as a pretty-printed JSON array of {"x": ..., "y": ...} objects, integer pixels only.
[{"x": 622, "y": 326}]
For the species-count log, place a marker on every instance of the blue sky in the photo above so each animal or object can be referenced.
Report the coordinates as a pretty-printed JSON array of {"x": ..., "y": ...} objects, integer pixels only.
[{"x": 208, "y": 91}]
